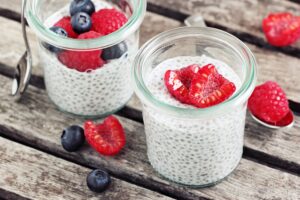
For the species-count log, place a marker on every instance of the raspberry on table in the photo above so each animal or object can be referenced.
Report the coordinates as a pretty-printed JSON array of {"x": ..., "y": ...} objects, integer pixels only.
[
  {"x": 107, "y": 138},
  {"x": 268, "y": 103},
  {"x": 281, "y": 29}
]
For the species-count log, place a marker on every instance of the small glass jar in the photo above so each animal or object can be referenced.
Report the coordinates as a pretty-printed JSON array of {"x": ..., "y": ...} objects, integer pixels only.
[
  {"x": 77, "y": 81},
  {"x": 187, "y": 145}
]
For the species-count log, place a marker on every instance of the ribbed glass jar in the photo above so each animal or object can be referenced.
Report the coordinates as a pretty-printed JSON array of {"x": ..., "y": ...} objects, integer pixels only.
[
  {"x": 94, "y": 91},
  {"x": 187, "y": 145}
]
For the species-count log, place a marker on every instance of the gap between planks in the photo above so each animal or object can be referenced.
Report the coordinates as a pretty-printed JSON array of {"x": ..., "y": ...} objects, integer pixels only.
[
  {"x": 136, "y": 115},
  {"x": 40, "y": 126},
  {"x": 31, "y": 174},
  {"x": 244, "y": 36},
  {"x": 180, "y": 16}
]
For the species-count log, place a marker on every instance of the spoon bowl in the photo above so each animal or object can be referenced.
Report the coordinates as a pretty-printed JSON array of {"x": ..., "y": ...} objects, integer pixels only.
[{"x": 287, "y": 122}]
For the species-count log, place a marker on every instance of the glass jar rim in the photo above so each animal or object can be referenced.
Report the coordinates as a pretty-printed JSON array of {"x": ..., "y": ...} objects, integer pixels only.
[
  {"x": 133, "y": 23},
  {"x": 152, "y": 45}
]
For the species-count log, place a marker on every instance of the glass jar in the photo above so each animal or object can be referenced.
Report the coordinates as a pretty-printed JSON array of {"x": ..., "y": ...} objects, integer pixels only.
[
  {"x": 76, "y": 79},
  {"x": 187, "y": 145}
]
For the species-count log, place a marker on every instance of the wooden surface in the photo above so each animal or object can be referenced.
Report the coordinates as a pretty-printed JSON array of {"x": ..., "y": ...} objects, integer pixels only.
[
  {"x": 37, "y": 175},
  {"x": 270, "y": 167},
  {"x": 37, "y": 122}
]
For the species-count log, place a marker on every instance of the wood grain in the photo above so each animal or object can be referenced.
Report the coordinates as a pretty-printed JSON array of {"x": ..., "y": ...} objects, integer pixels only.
[
  {"x": 32, "y": 174},
  {"x": 268, "y": 61},
  {"x": 243, "y": 18},
  {"x": 271, "y": 66},
  {"x": 35, "y": 121}
]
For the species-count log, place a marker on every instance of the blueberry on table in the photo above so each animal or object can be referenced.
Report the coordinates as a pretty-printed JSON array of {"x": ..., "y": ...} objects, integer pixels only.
[
  {"x": 98, "y": 180},
  {"x": 81, "y": 22},
  {"x": 86, "y": 6},
  {"x": 114, "y": 52},
  {"x": 72, "y": 138},
  {"x": 59, "y": 31}
]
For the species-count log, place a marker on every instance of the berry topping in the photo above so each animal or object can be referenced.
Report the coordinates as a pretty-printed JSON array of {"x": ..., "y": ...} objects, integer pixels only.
[
  {"x": 89, "y": 35},
  {"x": 268, "y": 103},
  {"x": 65, "y": 23},
  {"x": 209, "y": 88},
  {"x": 86, "y": 6},
  {"x": 98, "y": 180},
  {"x": 198, "y": 86},
  {"x": 106, "y": 21},
  {"x": 178, "y": 82},
  {"x": 107, "y": 138},
  {"x": 281, "y": 29},
  {"x": 59, "y": 31},
  {"x": 81, "y": 22},
  {"x": 72, "y": 138},
  {"x": 115, "y": 51},
  {"x": 83, "y": 60}
]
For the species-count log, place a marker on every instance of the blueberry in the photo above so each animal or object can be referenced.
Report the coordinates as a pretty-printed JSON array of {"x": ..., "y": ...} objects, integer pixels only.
[
  {"x": 86, "y": 6},
  {"x": 59, "y": 31},
  {"x": 72, "y": 138},
  {"x": 81, "y": 22},
  {"x": 114, "y": 52},
  {"x": 98, "y": 180}
]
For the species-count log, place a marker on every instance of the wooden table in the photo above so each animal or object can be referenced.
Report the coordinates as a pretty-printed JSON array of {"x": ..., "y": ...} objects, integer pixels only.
[{"x": 33, "y": 164}]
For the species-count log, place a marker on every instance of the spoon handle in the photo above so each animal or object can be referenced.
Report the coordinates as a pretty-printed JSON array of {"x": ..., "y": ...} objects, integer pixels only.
[{"x": 23, "y": 69}]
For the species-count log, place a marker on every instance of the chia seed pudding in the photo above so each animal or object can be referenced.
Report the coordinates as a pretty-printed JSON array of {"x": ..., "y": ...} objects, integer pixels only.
[
  {"x": 189, "y": 151},
  {"x": 96, "y": 92}
]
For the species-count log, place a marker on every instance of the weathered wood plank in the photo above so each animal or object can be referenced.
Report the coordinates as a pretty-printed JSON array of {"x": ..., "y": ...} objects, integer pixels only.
[
  {"x": 268, "y": 61},
  {"x": 36, "y": 175},
  {"x": 272, "y": 66},
  {"x": 240, "y": 17},
  {"x": 36, "y": 121}
]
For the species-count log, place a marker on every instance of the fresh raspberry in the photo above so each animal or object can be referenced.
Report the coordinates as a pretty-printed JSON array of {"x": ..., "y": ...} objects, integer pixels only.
[
  {"x": 281, "y": 29},
  {"x": 268, "y": 103},
  {"x": 106, "y": 21},
  {"x": 83, "y": 60},
  {"x": 209, "y": 88},
  {"x": 89, "y": 35},
  {"x": 178, "y": 82},
  {"x": 198, "y": 86},
  {"x": 107, "y": 138},
  {"x": 65, "y": 23}
]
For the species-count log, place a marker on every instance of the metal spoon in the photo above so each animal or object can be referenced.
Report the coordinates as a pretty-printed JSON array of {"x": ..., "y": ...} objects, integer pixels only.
[
  {"x": 23, "y": 69},
  {"x": 287, "y": 122}
]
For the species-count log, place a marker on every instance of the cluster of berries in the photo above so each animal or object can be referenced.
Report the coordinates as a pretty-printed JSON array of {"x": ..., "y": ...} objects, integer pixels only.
[
  {"x": 86, "y": 23},
  {"x": 107, "y": 138}
]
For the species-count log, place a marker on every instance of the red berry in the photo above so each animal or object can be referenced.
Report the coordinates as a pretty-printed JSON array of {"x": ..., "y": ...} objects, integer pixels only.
[
  {"x": 65, "y": 23},
  {"x": 178, "y": 82},
  {"x": 89, "y": 35},
  {"x": 107, "y": 138},
  {"x": 268, "y": 103},
  {"x": 83, "y": 60},
  {"x": 281, "y": 29},
  {"x": 209, "y": 88},
  {"x": 106, "y": 21}
]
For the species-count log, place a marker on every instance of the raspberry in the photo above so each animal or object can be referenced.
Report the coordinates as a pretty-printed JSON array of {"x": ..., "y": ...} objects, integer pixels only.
[
  {"x": 106, "y": 21},
  {"x": 107, "y": 138},
  {"x": 178, "y": 82},
  {"x": 281, "y": 29},
  {"x": 201, "y": 87},
  {"x": 268, "y": 103},
  {"x": 209, "y": 88},
  {"x": 65, "y": 23},
  {"x": 83, "y": 60}
]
